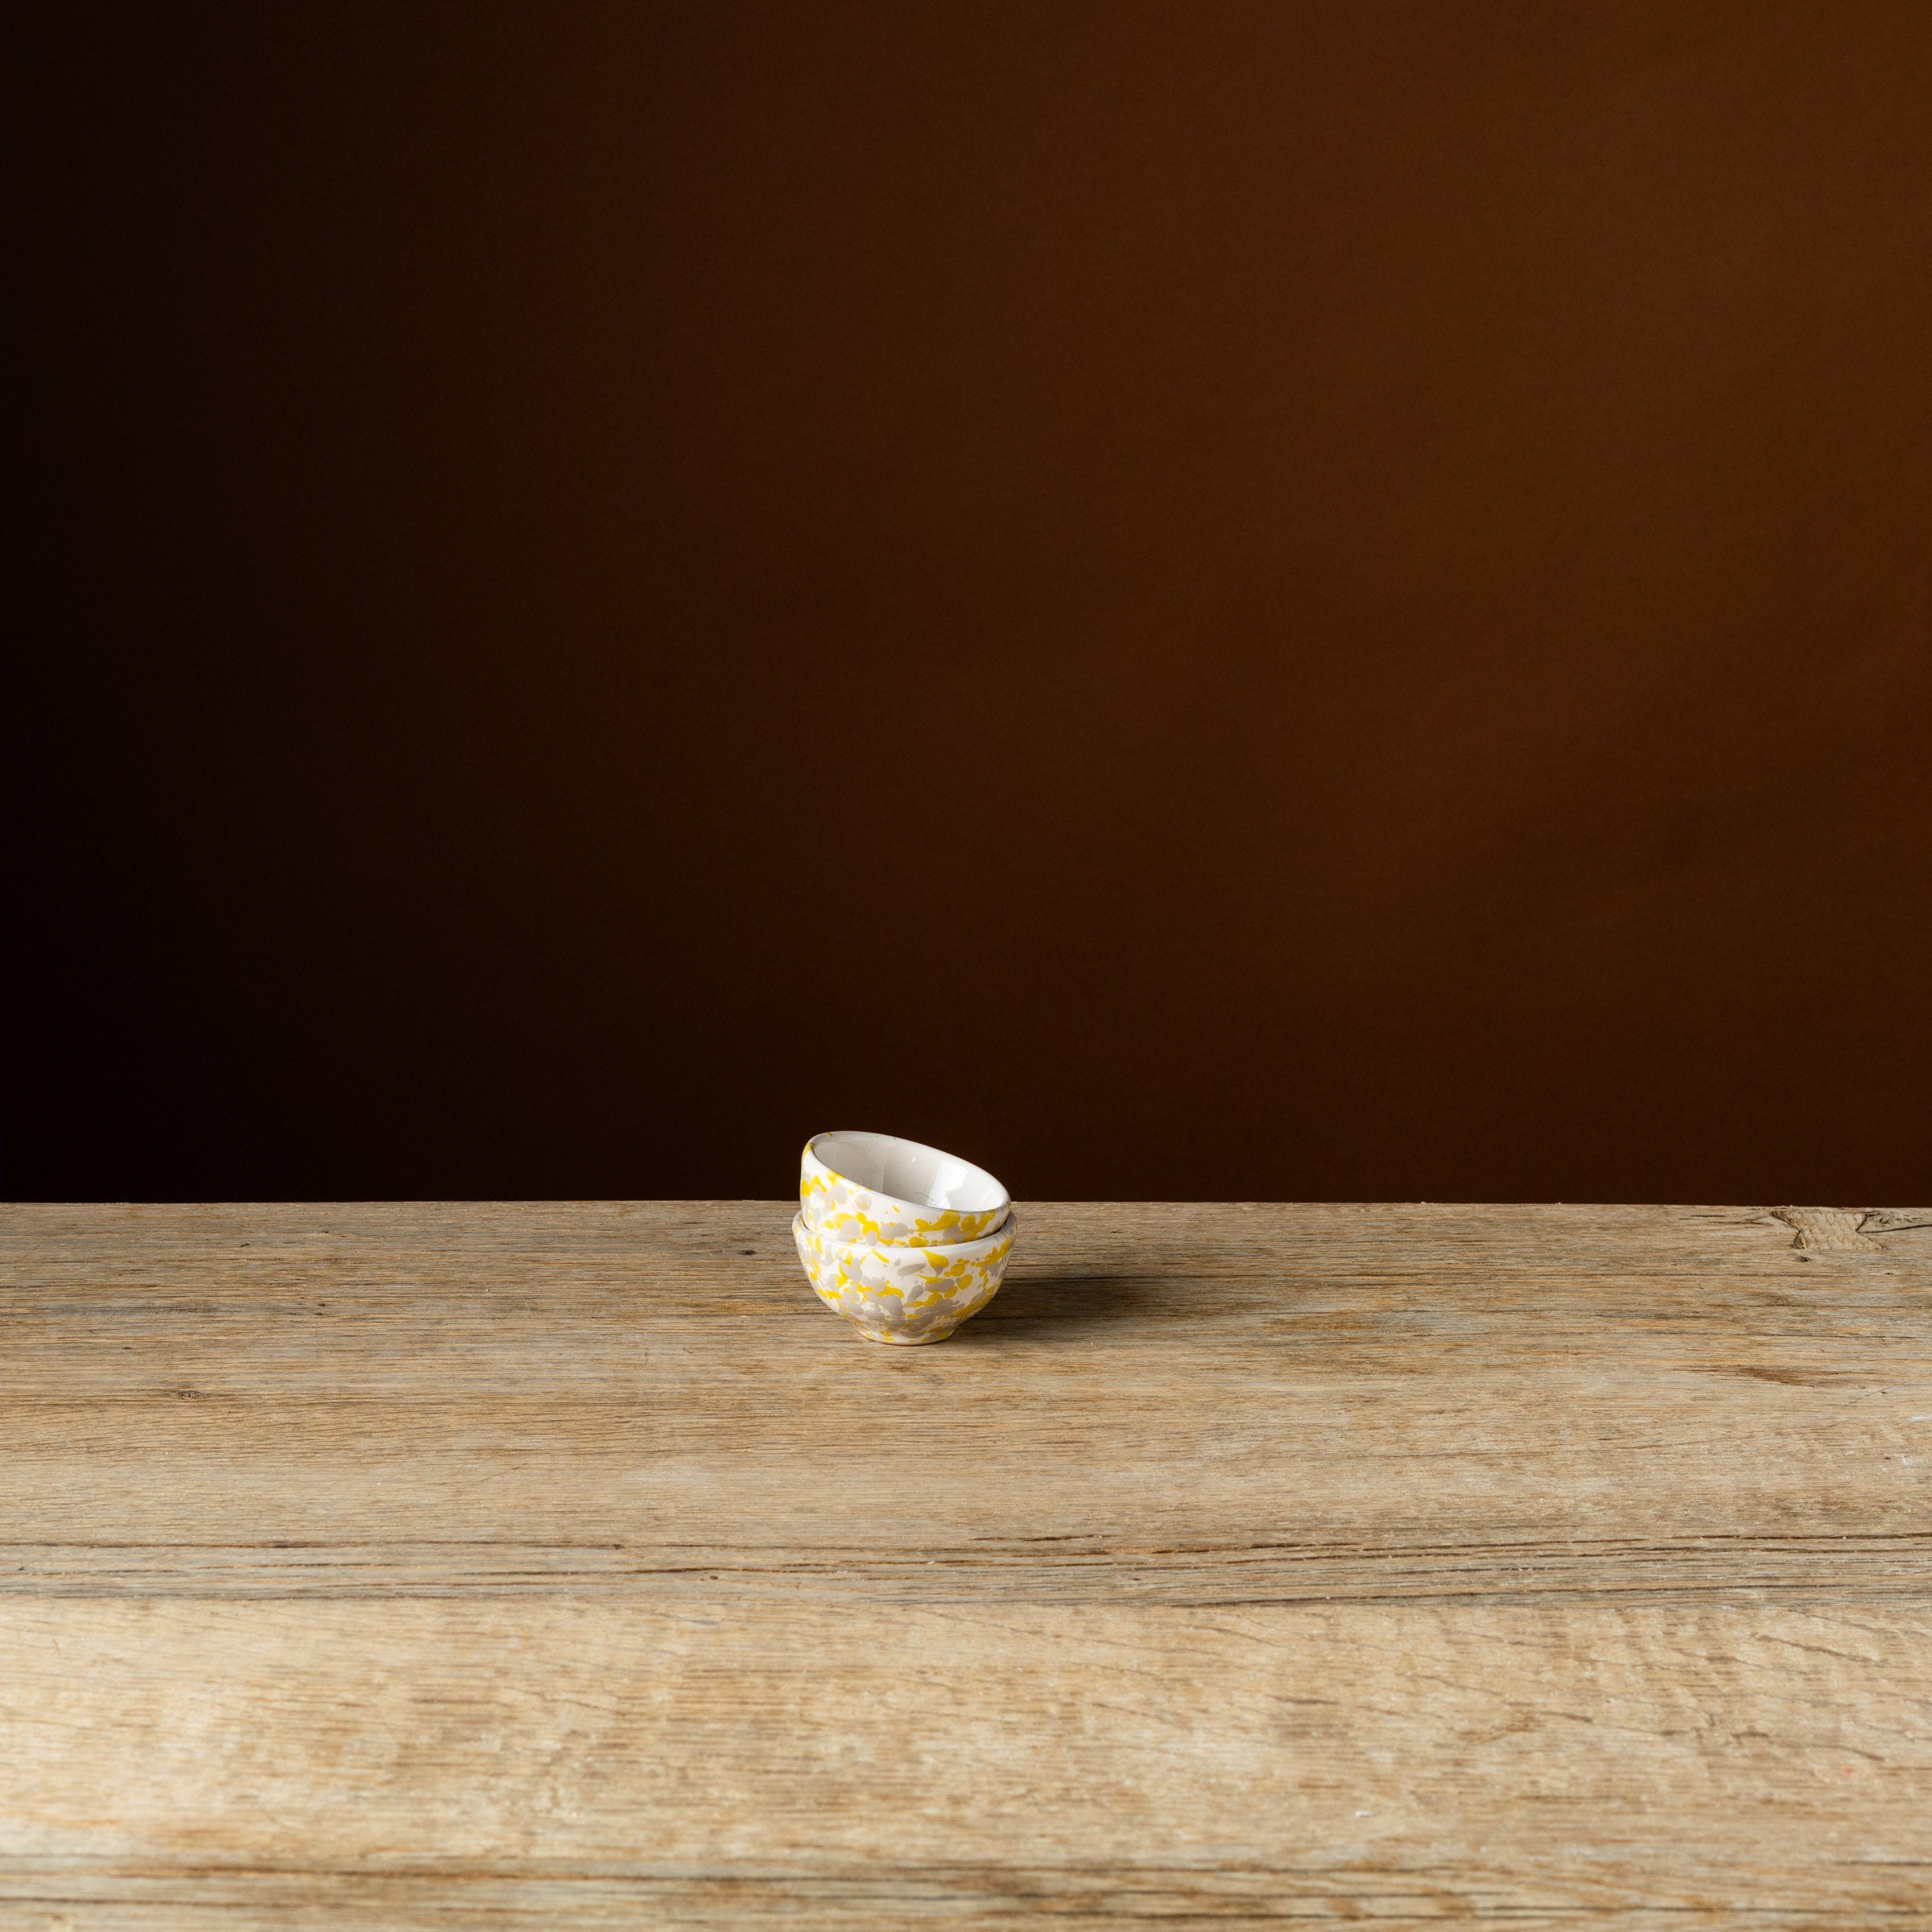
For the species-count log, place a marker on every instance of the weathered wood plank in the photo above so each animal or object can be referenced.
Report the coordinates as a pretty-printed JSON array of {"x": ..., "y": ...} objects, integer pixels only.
[
  {"x": 1180, "y": 1405},
  {"x": 509, "y": 1564},
  {"x": 1090, "y": 1762}
]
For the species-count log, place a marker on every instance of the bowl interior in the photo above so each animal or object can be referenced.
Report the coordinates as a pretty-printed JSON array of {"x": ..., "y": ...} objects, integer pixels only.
[{"x": 923, "y": 1177}]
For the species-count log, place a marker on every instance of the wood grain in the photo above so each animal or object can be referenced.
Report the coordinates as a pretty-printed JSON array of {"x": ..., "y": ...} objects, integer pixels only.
[{"x": 501, "y": 1564}]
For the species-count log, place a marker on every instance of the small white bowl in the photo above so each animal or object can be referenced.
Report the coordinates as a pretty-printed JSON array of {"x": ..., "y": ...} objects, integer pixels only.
[
  {"x": 876, "y": 1187},
  {"x": 891, "y": 1292}
]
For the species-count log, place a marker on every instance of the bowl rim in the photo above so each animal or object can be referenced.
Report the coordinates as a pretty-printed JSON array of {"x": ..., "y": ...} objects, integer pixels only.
[
  {"x": 1009, "y": 1226},
  {"x": 1003, "y": 1207}
]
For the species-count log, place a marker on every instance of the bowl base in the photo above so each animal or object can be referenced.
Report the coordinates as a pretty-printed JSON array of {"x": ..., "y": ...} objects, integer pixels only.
[{"x": 906, "y": 1341}]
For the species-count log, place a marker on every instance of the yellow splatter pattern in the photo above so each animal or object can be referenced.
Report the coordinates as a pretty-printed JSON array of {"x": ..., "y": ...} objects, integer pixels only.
[{"x": 893, "y": 1292}]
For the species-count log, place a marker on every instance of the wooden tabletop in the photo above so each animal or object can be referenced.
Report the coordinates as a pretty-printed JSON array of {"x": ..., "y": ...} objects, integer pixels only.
[{"x": 522, "y": 1564}]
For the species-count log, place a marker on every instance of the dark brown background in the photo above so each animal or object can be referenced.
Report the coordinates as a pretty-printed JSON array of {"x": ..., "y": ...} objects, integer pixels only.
[{"x": 1196, "y": 600}]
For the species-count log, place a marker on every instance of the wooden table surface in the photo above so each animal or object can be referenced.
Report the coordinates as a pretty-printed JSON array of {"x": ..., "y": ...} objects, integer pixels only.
[{"x": 521, "y": 1565}]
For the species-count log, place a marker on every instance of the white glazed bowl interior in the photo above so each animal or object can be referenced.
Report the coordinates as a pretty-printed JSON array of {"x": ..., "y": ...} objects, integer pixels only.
[{"x": 876, "y": 1185}]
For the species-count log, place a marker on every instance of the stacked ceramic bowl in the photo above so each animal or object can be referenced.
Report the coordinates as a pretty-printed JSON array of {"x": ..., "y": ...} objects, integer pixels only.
[{"x": 904, "y": 1241}]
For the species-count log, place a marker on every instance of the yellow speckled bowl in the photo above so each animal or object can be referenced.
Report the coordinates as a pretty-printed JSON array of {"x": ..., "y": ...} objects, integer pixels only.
[
  {"x": 877, "y": 1187},
  {"x": 890, "y": 1293}
]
